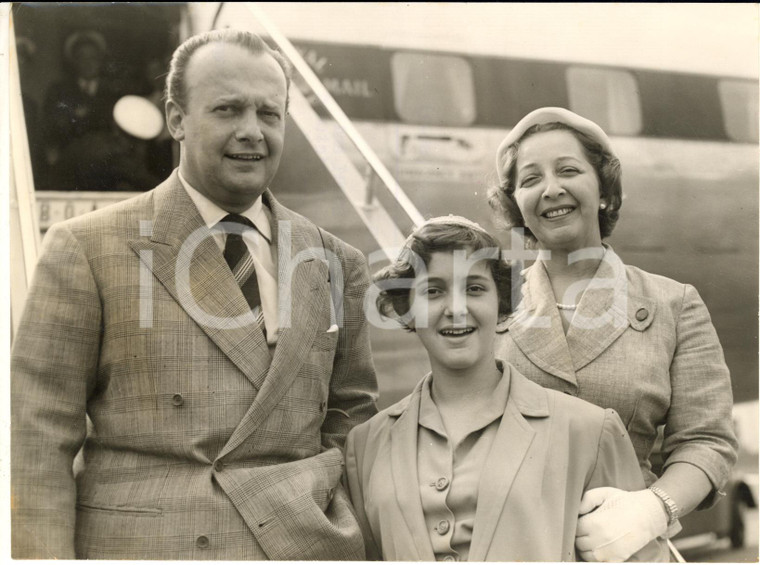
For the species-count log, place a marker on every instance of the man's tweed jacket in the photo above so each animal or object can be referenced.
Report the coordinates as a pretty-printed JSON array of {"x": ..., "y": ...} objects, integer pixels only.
[{"x": 202, "y": 444}]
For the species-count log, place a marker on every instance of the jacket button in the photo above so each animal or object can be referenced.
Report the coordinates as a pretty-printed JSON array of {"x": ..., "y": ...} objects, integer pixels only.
[
  {"x": 442, "y": 528},
  {"x": 449, "y": 559},
  {"x": 177, "y": 400},
  {"x": 218, "y": 466},
  {"x": 441, "y": 483},
  {"x": 202, "y": 542},
  {"x": 641, "y": 314}
]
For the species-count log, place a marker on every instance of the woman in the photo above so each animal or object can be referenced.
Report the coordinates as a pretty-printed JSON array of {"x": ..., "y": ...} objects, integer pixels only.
[
  {"x": 478, "y": 463},
  {"x": 609, "y": 333}
]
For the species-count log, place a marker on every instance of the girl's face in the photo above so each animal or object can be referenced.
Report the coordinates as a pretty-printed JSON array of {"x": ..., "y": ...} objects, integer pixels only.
[
  {"x": 456, "y": 309},
  {"x": 557, "y": 191}
]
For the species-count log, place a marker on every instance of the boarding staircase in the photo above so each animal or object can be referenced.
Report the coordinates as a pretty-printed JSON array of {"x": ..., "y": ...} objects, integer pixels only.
[{"x": 347, "y": 200}]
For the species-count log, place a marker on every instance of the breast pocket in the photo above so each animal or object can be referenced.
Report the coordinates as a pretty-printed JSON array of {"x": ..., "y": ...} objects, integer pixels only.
[{"x": 321, "y": 355}]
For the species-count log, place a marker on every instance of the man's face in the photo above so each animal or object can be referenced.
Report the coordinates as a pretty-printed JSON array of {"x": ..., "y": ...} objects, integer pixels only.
[
  {"x": 88, "y": 60},
  {"x": 233, "y": 127}
]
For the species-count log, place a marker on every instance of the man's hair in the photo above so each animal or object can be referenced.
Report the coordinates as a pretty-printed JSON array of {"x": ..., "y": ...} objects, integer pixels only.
[
  {"x": 176, "y": 87},
  {"x": 606, "y": 166},
  {"x": 440, "y": 235}
]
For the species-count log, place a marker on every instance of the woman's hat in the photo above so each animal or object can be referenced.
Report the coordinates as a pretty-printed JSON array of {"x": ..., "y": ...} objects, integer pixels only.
[
  {"x": 93, "y": 37},
  {"x": 546, "y": 116}
]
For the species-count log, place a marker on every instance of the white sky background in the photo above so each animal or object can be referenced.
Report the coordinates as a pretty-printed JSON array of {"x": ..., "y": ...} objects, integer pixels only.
[{"x": 708, "y": 38}]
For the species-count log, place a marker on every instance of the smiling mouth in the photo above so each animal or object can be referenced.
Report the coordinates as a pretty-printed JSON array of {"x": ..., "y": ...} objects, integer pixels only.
[
  {"x": 458, "y": 332},
  {"x": 244, "y": 156},
  {"x": 557, "y": 212}
]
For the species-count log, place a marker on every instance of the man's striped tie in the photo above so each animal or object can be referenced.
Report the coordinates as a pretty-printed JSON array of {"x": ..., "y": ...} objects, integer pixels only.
[{"x": 241, "y": 264}]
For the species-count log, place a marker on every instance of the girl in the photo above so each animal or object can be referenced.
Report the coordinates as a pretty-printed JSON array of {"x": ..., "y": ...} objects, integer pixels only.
[{"x": 478, "y": 463}]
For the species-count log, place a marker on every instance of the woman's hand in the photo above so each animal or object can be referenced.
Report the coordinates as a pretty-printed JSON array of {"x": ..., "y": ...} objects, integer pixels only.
[{"x": 615, "y": 524}]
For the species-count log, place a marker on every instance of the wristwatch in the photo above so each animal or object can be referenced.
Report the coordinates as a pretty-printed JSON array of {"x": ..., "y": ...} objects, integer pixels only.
[{"x": 670, "y": 505}]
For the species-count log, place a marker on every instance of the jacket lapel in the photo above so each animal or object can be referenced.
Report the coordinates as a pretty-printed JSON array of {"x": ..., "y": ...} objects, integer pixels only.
[
  {"x": 537, "y": 329},
  {"x": 303, "y": 285},
  {"x": 307, "y": 291},
  {"x": 403, "y": 465},
  {"x": 602, "y": 316},
  {"x": 602, "y": 313},
  {"x": 509, "y": 449},
  {"x": 184, "y": 257}
]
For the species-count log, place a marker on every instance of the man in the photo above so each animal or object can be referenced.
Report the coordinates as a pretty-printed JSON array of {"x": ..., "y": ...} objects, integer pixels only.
[{"x": 220, "y": 389}]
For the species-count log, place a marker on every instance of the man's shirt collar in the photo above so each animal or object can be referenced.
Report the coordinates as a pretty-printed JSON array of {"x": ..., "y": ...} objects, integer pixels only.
[
  {"x": 212, "y": 214},
  {"x": 493, "y": 410}
]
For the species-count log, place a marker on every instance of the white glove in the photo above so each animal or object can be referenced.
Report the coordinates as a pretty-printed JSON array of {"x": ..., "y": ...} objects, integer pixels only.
[{"x": 615, "y": 524}]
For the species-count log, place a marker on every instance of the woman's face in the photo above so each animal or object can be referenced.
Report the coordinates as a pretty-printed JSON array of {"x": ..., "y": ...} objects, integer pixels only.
[
  {"x": 557, "y": 191},
  {"x": 456, "y": 309}
]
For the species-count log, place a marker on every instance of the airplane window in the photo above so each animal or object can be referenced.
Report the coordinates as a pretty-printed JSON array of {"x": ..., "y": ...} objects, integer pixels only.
[
  {"x": 433, "y": 89},
  {"x": 608, "y": 97},
  {"x": 679, "y": 105},
  {"x": 507, "y": 89},
  {"x": 739, "y": 101}
]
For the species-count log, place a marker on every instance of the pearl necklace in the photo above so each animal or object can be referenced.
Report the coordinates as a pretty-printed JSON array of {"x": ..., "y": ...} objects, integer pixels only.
[{"x": 566, "y": 306}]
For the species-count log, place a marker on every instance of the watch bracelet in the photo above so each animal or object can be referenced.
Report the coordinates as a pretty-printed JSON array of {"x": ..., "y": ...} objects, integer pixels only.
[{"x": 670, "y": 505}]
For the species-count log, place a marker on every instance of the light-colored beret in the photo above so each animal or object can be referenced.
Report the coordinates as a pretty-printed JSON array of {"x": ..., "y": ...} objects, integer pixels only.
[{"x": 546, "y": 116}]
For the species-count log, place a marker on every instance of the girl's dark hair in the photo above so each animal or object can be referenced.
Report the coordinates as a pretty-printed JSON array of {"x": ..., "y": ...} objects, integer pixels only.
[
  {"x": 434, "y": 236},
  {"x": 606, "y": 165}
]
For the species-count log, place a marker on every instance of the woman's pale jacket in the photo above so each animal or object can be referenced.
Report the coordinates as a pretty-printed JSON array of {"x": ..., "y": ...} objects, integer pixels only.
[
  {"x": 643, "y": 345},
  {"x": 548, "y": 450}
]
